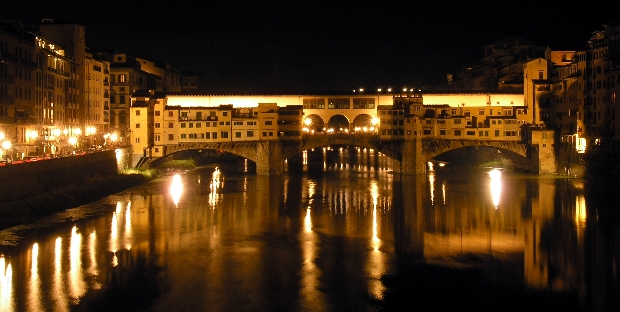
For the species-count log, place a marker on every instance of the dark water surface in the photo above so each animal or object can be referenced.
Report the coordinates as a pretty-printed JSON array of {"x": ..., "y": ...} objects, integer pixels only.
[{"x": 345, "y": 235}]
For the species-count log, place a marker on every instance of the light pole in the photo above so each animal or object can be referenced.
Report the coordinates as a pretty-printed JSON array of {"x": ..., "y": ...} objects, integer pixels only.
[{"x": 6, "y": 146}]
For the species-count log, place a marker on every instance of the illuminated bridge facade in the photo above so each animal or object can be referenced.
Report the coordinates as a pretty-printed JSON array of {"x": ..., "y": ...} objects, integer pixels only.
[{"x": 269, "y": 130}]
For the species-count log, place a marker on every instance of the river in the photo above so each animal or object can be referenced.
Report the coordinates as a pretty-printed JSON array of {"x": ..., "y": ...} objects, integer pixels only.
[{"x": 339, "y": 232}]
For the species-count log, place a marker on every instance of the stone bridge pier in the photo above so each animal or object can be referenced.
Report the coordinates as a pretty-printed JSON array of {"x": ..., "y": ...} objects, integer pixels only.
[
  {"x": 413, "y": 160},
  {"x": 269, "y": 158}
]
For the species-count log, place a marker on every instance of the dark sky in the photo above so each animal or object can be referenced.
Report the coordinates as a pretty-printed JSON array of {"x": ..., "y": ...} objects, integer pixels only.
[{"x": 313, "y": 46}]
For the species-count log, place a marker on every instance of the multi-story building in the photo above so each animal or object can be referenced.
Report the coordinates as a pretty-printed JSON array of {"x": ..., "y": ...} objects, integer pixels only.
[
  {"x": 575, "y": 92},
  {"x": 128, "y": 74},
  {"x": 18, "y": 72},
  {"x": 501, "y": 67},
  {"x": 97, "y": 97}
]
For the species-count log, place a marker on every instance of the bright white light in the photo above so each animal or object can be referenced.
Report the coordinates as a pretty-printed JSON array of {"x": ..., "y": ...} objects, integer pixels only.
[
  {"x": 374, "y": 121},
  {"x": 308, "y": 121},
  {"x": 496, "y": 186},
  {"x": 6, "y": 145},
  {"x": 2, "y": 136},
  {"x": 176, "y": 189},
  {"x": 72, "y": 140}
]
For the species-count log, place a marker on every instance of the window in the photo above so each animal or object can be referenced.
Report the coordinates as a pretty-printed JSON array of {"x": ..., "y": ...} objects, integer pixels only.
[
  {"x": 170, "y": 125},
  {"x": 170, "y": 137},
  {"x": 191, "y": 124},
  {"x": 198, "y": 125},
  {"x": 157, "y": 125},
  {"x": 214, "y": 135},
  {"x": 122, "y": 78},
  {"x": 170, "y": 114},
  {"x": 362, "y": 103},
  {"x": 250, "y": 134},
  {"x": 137, "y": 112},
  {"x": 496, "y": 133},
  {"x": 137, "y": 125},
  {"x": 207, "y": 135},
  {"x": 138, "y": 140},
  {"x": 268, "y": 122},
  {"x": 157, "y": 113},
  {"x": 457, "y": 132},
  {"x": 224, "y": 134},
  {"x": 314, "y": 103},
  {"x": 183, "y": 125},
  {"x": 338, "y": 103},
  {"x": 198, "y": 115},
  {"x": 237, "y": 134},
  {"x": 224, "y": 113},
  {"x": 157, "y": 138},
  {"x": 183, "y": 136},
  {"x": 442, "y": 131}
]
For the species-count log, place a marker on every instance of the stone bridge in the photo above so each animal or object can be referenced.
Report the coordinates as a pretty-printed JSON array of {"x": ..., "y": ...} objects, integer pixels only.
[{"x": 413, "y": 154}]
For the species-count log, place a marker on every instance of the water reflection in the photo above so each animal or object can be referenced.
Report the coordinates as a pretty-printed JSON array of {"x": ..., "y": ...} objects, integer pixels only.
[
  {"x": 376, "y": 262},
  {"x": 77, "y": 286},
  {"x": 6, "y": 285},
  {"x": 176, "y": 189},
  {"x": 496, "y": 186},
  {"x": 34, "y": 293},
  {"x": 324, "y": 241}
]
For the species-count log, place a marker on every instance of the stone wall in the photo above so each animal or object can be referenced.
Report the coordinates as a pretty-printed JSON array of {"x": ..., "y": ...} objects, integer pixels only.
[{"x": 21, "y": 180}]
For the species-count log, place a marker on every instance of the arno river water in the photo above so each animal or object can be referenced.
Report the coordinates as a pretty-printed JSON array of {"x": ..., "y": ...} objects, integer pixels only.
[{"x": 340, "y": 231}]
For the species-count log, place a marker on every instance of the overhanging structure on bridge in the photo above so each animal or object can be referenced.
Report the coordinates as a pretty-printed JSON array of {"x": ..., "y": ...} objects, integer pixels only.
[{"x": 406, "y": 130}]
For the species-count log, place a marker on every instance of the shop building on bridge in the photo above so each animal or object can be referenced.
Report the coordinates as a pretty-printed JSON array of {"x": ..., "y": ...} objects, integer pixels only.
[{"x": 160, "y": 120}]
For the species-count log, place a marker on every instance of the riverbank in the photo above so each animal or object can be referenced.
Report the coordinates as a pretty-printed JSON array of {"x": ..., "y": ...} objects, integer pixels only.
[{"x": 28, "y": 210}]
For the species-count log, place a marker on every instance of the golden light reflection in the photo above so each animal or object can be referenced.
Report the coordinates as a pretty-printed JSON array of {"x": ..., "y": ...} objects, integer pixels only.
[
  {"x": 77, "y": 286},
  {"x": 443, "y": 191},
  {"x": 431, "y": 182},
  {"x": 34, "y": 289},
  {"x": 311, "y": 274},
  {"x": 113, "y": 247},
  {"x": 496, "y": 186},
  {"x": 6, "y": 286},
  {"x": 374, "y": 191},
  {"x": 376, "y": 261},
  {"x": 58, "y": 291},
  {"x": 92, "y": 254},
  {"x": 176, "y": 189},
  {"x": 214, "y": 185},
  {"x": 128, "y": 236},
  {"x": 580, "y": 210}
]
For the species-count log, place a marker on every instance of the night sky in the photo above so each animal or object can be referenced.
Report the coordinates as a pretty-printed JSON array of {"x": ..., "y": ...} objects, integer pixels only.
[{"x": 316, "y": 46}]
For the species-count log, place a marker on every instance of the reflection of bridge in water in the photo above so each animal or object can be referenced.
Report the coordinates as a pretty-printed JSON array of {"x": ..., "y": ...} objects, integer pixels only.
[{"x": 411, "y": 153}]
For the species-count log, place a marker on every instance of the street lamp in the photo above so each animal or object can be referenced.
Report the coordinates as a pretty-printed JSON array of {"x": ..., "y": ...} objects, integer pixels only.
[
  {"x": 6, "y": 145},
  {"x": 307, "y": 122}
]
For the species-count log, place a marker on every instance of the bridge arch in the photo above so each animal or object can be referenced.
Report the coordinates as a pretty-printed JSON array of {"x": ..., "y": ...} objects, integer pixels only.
[
  {"x": 314, "y": 123},
  {"x": 362, "y": 121},
  {"x": 338, "y": 122},
  {"x": 516, "y": 151}
]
